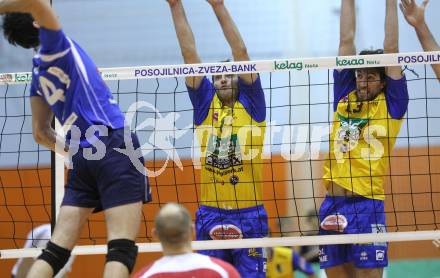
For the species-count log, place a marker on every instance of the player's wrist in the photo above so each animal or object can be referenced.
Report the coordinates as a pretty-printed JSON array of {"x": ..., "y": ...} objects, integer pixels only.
[
  {"x": 218, "y": 7},
  {"x": 420, "y": 24},
  {"x": 173, "y": 3}
]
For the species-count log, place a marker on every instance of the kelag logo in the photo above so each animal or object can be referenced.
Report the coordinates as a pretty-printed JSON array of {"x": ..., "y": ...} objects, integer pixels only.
[
  {"x": 287, "y": 65},
  {"x": 23, "y": 77},
  {"x": 349, "y": 62}
]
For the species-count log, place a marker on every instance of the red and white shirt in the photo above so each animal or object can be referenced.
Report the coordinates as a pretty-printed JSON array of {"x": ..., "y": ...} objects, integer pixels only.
[{"x": 188, "y": 265}]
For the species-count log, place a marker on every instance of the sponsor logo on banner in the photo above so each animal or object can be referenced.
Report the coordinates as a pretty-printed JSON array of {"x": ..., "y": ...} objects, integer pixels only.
[
  {"x": 226, "y": 231},
  {"x": 349, "y": 62},
  {"x": 380, "y": 255},
  {"x": 422, "y": 58},
  {"x": 334, "y": 222},
  {"x": 288, "y": 65},
  {"x": 23, "y": 77},
  {"x": 6, "y": 77},
  {"x": 109, "y": 75},
  {"x": 192, "y": 70},
  {"x": 341, "y": 62}
]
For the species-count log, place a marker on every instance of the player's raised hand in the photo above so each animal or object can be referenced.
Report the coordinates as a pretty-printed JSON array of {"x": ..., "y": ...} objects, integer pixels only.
[
  {"x": 414, "y": 14},
  {"x": 172, "y": 2},
  {"x": 214, "y": 3}
]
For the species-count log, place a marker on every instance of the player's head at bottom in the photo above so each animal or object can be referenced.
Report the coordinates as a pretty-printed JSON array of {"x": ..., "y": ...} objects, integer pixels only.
[
  {"x": 226, "y": 86},
  {"x": 370, "y": 81},
  {"x": 21, "y": 29}
]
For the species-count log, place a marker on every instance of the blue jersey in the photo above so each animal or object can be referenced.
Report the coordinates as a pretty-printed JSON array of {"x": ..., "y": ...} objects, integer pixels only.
[{"x": 66, "y": 77}]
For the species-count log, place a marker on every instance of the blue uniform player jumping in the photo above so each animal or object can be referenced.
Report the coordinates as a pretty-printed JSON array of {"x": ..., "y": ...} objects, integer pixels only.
[{"x": 66, "y": 84}]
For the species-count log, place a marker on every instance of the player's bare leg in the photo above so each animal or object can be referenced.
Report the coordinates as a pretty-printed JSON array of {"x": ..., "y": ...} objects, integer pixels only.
[
  {"x": 340, "y": 271},
  {"x": 368, "y": 272},
  {"x": 122, "y": 223},
  {"x": 67, "y": 231}
]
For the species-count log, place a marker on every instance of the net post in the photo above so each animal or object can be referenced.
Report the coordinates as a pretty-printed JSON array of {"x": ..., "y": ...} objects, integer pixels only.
[
  {"x": 57, "y": 179},
  {"x": 53, "y": 186}
]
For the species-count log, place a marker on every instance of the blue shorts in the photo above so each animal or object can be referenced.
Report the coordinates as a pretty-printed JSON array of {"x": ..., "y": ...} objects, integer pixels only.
[
  {"x": 216, "y": 223},
  {"x": 353, "y": 215},
  {"x": 109, "y": 182}
]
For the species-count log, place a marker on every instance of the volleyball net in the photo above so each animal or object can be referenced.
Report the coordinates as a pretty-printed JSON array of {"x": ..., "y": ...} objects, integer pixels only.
[{"x": 299, "y": 115}]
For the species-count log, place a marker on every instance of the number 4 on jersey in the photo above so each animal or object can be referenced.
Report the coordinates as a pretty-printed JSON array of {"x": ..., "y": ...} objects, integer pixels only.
[{"x": 51, "y": 93}]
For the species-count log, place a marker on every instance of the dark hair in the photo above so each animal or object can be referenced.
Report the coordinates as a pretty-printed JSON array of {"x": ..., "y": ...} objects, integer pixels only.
[
  {"x": 380, "y": 70},
  {"x": 19, "y": 29}
]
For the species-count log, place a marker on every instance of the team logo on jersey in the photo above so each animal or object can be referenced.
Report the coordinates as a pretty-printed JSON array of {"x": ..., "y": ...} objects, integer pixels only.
[
  {"x": 322, "y": 256},
  {"x": 253, "y": 252},
  {"x": 364, "y": 256},
  {"x": 215, "y": 116},
  {"x": 234, "y": 180},
  {"x": 226, "y": 231},
  {"x": 348, "y": 134},
  {"x": 223, "y": 153},
  {"x": 380, "y": 255},
  {"x": 335, "y": 222}
]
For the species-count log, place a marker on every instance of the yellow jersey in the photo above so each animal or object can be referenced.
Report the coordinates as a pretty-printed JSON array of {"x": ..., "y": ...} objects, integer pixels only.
[
  {"x": 280, "y": 263},
  {"x": 362, "y": 137},
  {"x": 231, "y": 142}
]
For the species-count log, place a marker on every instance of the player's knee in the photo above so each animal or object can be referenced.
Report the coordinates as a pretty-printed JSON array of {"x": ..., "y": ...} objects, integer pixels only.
[
  {"x": 124, "y": 251},
  {"x": 56, "y": 256}
]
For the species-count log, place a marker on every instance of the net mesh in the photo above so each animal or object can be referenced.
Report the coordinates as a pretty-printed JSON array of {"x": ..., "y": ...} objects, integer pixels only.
[
  {"x": 299, "y": 113},
  {"x": 25, "y": 174}
]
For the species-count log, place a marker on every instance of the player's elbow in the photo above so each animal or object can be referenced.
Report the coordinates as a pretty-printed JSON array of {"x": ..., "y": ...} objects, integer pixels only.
[
  {"x": 28, "y": 6},
  {"x": 40, "y": 135},
  {"x": 347, "y": 39}
]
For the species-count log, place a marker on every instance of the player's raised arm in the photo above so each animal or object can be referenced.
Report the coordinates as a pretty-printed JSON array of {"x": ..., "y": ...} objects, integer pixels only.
[
  {"x": 347, "y": 28},
  {"x": 391, "y": 41},
  {"x": 39, "y": 9},
  {"x": 186, "y": 40},
  {"x": 415, "y": 16},
  {"x": 232, "y": 35}
]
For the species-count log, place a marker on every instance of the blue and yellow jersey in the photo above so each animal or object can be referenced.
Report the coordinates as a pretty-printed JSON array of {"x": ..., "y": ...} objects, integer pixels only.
[
  {"x": 283, "y": 261},
  {"x": 363, "y": 135},
  {"x": 231, "y": 141},
  {"x": 66, "y": 77}
]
